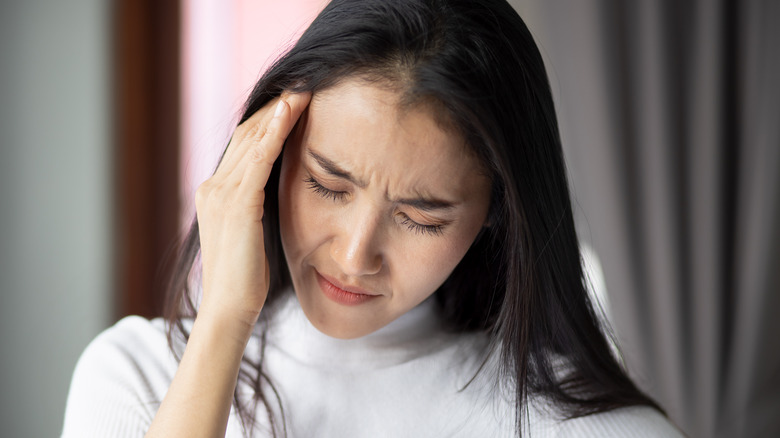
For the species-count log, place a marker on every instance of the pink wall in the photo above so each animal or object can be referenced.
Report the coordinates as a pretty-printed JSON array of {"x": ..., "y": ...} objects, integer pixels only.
[{"x": 226, "y": 47}]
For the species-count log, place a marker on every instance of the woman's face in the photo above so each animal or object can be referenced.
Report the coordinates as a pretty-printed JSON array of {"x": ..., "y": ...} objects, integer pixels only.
[{"x": 377, "y": 206}]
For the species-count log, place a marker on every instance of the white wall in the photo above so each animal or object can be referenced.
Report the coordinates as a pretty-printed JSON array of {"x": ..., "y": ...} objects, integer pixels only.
[{"x": 55, "y": 202}]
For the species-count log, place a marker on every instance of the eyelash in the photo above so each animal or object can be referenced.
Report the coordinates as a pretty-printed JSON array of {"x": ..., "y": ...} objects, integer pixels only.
[
  {"x": 413, "y": 226},
  {"x": 334, "y": 195},
  {"x": 323, "y": 191}
]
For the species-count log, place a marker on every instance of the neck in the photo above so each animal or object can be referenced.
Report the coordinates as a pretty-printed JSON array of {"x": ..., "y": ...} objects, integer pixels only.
[{"x": 415, "y": 333}]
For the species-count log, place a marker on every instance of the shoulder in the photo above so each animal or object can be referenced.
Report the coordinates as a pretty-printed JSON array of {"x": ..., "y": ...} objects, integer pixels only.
[
  {"x": 133, "y": 346},
  {"x": 120, "y": 380},
  {"x": 634, "y": 421}
]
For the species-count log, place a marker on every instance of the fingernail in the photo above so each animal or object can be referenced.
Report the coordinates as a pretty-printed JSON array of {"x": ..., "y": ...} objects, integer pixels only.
[{"x": 279, "y": 108}]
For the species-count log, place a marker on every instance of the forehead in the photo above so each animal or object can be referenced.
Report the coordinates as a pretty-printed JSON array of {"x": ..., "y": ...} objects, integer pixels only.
[{"x": 365, "y": 128}]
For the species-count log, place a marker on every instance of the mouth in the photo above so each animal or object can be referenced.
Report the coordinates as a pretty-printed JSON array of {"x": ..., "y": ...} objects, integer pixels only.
[{"x": 341, "y": 293}]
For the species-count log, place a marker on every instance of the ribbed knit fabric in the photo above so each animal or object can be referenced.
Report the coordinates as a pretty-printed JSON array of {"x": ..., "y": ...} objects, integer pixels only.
[{"x": 408, "y": 379}]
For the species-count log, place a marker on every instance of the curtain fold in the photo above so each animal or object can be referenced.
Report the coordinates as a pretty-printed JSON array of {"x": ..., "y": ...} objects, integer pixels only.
[
  {"x": 751, "y": 398},
  {"x": 670, "y": 118}
]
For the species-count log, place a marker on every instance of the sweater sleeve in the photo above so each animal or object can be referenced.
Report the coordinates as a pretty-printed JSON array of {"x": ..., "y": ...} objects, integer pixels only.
[
  {"x": 635, "y": 421},
  {"x": 119, "y": 381}
]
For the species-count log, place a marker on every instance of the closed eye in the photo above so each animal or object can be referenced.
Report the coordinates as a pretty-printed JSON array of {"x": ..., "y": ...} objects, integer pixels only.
[
  {"x": 404, "y": 219},
  {"x": 323, "y": 191},
  {"x": 413, "y": 226}
]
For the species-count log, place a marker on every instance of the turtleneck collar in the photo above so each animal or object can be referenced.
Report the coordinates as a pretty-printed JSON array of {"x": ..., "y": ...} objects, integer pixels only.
[{"x": 416, "y": 333}]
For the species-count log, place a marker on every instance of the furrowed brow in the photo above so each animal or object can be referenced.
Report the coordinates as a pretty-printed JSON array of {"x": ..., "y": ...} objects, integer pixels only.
[
  {"x": 333, "y": 169},
  {"x": 421, "y": 203},
  {"x": 427, "y": 204}
]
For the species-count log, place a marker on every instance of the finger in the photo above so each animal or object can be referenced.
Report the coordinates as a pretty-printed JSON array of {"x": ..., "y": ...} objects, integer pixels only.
[
  {"x": 297, "y": 104},
  {"x": 253, "y": 127},
  {"x": 263, "y": 153}
]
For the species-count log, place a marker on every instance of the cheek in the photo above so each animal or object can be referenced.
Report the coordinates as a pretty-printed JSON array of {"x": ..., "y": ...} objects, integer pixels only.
[
  {"x": 300, "y": 219},
  {"x": 428, "y": 261}
]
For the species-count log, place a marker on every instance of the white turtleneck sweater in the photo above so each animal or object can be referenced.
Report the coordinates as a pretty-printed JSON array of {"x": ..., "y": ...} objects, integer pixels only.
[{"x": 407, "y": 379}]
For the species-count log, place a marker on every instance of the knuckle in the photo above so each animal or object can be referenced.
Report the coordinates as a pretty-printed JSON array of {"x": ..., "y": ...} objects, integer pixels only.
[
  {"x": 218, "y": 194},
  {"x": 202, "y": 192},
  {"x": 256, "y": 130},
  {"x": 211, "y": 195},
  {"x": 259, "y": 154}
]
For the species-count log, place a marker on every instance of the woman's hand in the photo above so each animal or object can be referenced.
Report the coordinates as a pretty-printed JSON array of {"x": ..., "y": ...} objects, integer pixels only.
[
  {"x": 230, "y": 211},
  {"x": 235, "y": 275}
]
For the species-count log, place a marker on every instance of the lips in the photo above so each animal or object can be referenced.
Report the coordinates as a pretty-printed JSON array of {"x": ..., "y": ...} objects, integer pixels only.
[{"x": 341, "y": 293}]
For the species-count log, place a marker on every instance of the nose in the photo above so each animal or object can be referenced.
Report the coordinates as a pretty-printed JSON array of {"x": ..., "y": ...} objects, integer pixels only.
[{"x": 357, "y": 250}]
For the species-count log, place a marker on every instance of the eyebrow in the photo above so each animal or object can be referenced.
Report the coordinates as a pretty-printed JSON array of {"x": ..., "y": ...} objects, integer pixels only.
[
  {"x": 421, "y": 203},
  {"x": 333, "y": 169}
]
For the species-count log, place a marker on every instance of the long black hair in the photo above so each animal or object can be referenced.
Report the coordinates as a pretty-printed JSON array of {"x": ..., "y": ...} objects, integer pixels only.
[{"x": 522, "y": 281}]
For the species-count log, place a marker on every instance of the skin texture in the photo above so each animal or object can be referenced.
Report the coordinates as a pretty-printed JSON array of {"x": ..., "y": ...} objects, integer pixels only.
[
  {"x": 361, "y": 231},
  {"x": 369, "y": 234}
]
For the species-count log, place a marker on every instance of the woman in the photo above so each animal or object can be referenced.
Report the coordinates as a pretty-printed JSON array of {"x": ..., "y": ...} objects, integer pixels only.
[{"x": 408, "y": 266}]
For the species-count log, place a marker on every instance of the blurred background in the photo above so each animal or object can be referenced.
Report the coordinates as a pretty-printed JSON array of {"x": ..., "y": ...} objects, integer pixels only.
[{"x": 114, "y": 111}]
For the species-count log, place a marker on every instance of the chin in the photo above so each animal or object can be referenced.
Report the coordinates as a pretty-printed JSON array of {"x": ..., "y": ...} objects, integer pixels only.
[
  {"x": 339, "y": 331},
  {"x": 337, "y": 322},
  {"x": 335, "y": 312}
]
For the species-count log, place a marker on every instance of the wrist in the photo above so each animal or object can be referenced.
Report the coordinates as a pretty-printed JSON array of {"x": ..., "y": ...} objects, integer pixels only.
[{"x": 222, "y": 325}]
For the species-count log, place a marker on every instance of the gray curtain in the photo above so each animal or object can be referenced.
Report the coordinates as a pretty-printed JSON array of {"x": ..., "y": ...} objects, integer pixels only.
[{"x": 670, "y": 116}]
